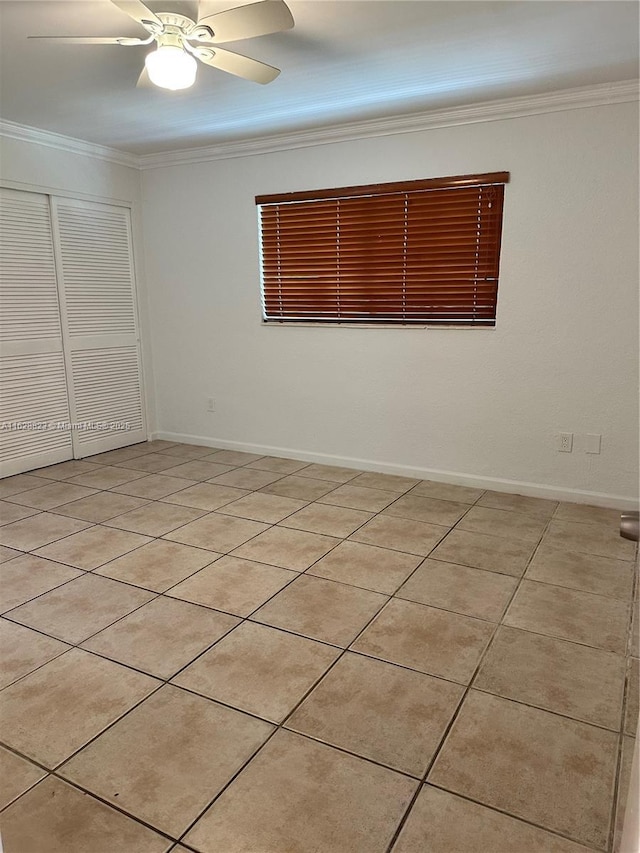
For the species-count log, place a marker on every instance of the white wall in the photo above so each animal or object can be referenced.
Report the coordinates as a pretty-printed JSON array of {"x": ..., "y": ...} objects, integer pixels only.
[
  {"x": 33, "y": 166},
  {"x": 41, "y": 165},
  {"x": 470, "y": 403}
]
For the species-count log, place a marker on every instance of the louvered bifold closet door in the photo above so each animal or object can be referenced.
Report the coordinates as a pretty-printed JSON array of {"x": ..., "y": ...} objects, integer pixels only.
[
  {"x": 34, "y": 409},
  {"x": 100, "y": 325}
]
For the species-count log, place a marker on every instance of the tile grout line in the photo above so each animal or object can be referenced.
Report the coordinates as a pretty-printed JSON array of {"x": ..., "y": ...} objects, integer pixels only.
[
  {"x": 166, "y": 682},
  {"x": 620, "y": 732},
  {"x": 55, "y": 775},
  {"x": 91, "y": 525},
  {"x": 295, "y": 574},
  {"x": 615, "y": 805},
  {"x": 159, "y": 538},
  {"x": 289, "y": 632},
  {"x": 344, "y": 650},
  {"x": 460, "y": 704},
  {"x": 89, "y": 571},
  {"x": 282, "y": 724},
  {"x": 554, "y": 832}
]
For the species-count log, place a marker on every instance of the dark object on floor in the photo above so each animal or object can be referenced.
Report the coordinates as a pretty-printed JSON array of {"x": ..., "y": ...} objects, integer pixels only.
[{"x": 629, "y": 525}]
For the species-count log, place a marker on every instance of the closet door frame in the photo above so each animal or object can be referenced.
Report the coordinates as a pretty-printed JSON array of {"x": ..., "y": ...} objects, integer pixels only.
[{"x": 132, "y": 206}]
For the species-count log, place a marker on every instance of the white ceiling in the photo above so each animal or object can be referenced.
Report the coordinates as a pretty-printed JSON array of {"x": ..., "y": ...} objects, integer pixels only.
[{"x": 345, "y": 60}]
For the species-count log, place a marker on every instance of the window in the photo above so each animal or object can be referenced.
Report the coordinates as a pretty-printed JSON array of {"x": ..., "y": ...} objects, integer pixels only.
[{"x": 418, "y": 252}]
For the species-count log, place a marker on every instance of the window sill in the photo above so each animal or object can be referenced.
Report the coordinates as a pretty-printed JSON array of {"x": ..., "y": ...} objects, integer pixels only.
[{"x": 415, "y": 326}]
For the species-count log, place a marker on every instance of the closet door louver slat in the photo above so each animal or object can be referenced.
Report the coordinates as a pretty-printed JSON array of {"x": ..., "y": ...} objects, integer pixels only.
[
  {"x": 33, "y": 391},
  {"x": 115, "y": 372},
  {"x": 100, "y": 325},
  {"x": 34, "y": 408}
]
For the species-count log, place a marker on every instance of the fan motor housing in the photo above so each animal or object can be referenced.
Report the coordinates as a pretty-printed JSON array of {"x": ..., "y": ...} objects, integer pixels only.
[{"x": 179, "y": 23}]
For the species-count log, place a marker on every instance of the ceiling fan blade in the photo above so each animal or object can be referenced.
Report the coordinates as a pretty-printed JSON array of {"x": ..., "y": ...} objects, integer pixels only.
[
  {"x": 245, "y": 22},
  {"x": 91, "y": 40},
  {"x": 235, "y": 63},
  {"x": 139, "y": 12}
]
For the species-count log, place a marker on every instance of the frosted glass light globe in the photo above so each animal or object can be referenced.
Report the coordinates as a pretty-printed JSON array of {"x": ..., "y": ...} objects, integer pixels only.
[{"x": 171, "y": 67}]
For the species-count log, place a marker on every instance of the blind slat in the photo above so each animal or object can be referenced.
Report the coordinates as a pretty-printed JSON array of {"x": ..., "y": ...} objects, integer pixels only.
[{"x": 419, "y": 252}]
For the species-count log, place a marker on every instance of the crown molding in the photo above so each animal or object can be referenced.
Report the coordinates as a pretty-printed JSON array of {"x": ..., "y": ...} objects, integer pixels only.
[
  {"x": 24, "y": 133},
  {"x": 506, "y": 108}
]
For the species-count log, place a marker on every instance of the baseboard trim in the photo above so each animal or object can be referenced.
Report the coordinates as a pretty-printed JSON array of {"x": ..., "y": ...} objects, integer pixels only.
[{"x": 519, "y": 487}]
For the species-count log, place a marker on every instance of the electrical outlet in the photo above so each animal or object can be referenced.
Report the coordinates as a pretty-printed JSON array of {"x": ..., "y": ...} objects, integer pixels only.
[
  {"x": 565, "y": 442},
  {"x": 211, "y": 404},
  {"x": 592, "y": 443}
]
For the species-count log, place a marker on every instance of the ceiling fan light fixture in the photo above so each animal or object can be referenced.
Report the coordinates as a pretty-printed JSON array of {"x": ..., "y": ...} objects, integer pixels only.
[{"x": 171, "y": 67}]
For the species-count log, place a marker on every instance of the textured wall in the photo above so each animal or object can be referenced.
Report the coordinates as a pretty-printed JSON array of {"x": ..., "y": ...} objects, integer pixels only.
[{"x": 469, "y": 402}]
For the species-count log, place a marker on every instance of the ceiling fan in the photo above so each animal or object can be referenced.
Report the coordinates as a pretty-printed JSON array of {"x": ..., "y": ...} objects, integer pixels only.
[{"x": 181, "y": 41}]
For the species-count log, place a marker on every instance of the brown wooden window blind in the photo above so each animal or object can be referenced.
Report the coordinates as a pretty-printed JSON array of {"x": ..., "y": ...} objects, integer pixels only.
[{"x": 417, "y": 252}]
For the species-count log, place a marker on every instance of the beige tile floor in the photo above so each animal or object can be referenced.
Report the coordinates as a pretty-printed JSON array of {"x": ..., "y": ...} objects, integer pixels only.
[{"x": 246, "y": 654}]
